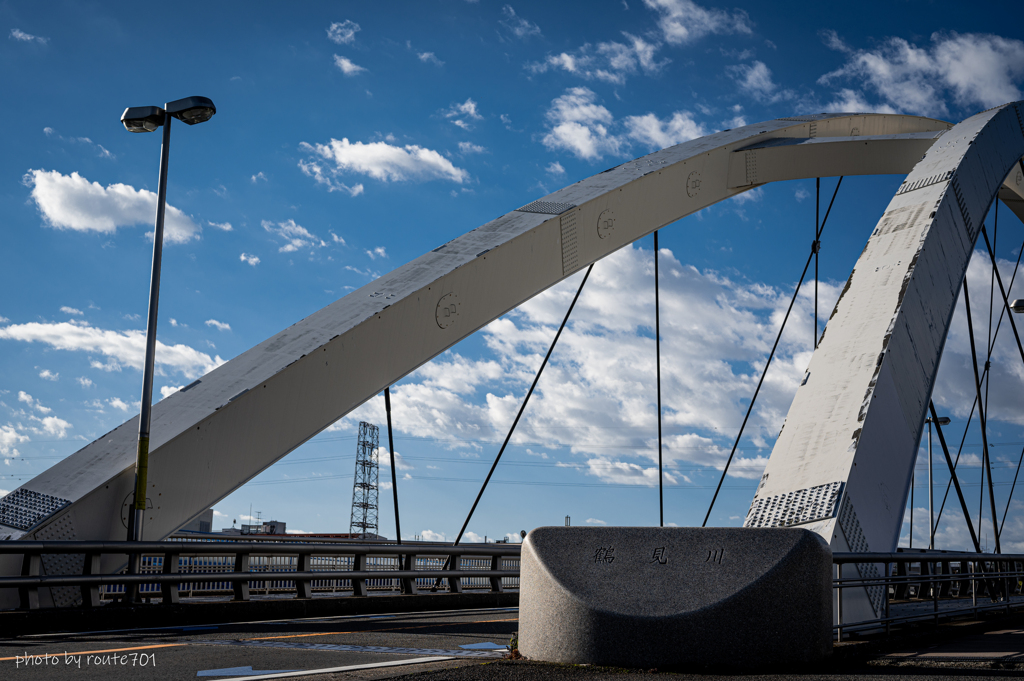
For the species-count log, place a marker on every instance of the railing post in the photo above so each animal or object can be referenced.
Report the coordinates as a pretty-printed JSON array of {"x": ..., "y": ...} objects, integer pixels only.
[
  {"x": 888, "y": 572},
  {"x": 455, "y": 583},
  {"x": 304, "y": 585},
  {"x": 409, "y": 583},
  {"x": 359, "y": 583},
  {"x": 241, "y": 587},
  {"x": 839, "y": 600},
  {"x": 935, "y": 591},
  {"x": 496, "y": 581},
  {"x": 169, "y": 590},
  {"x": 902, "y": 585},
  {"x": 974, "y": 589},
  {"x": 91, "y": 594},
  {"x": 29, "y": 595}
]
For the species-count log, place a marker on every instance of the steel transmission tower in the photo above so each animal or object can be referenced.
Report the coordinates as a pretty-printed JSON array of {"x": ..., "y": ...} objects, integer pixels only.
[{"x": 364, "y": 486}]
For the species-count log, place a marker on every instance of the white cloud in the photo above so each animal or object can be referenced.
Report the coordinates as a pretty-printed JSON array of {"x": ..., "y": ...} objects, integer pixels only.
[
  {"x": 258, "y": 177},
  {"x": 48, "y": 375},
  {"x": 9, "y": 437},
  {"x": 71, "y": 310},
  {"x": 120, "y": 348},
  {"x": 654, "y": 133},
  {"x": 32, "y": 402},
  {"x": 430, "y": 58},
  {"x": 175, "y": 322},
  {"x": 595, "y": 521},
  {"x": 381, "y": 161},
  {"x": 295, "y": 236},
  {"x": 84, "y": 382},
  {"x": 167, "y": 390},
  {"x": 337, "y": 239},
  {"x": 517, "y": 25},
  {"x": 580, "y": 125},
  {"x": 611, "y": 61},
  {"x": 378, "y": 252},
  {"x": 118, "y": 403},
  {"x": 459, "y": 113},
  {"x": 101, "y": 151},
  {"x": 756, "y": 80},
  {"x": 249, "y": 259},
  {"x": 223, "y": 226},
  {"x": 220, "y": 326},
  {"x": 969, "y": 70},
  {"x": 22, "y": 37},
  {"x": 586, "y": 129},
  {"x": 430, "y": 535},
  {"x": 555, "y": 168},
  {"x": 343, "y": 32},
  {"x": 684, "y": 21},
  {"x": 72, "y": 202},
  {"x": 470, "y": 148},
  {"x": 472, "y": 537},
  {"x": 347, "y": 66}
]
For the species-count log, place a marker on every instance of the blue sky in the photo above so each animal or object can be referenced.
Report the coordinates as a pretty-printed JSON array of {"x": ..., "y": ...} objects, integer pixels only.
[{"x": 352, "y": 137}]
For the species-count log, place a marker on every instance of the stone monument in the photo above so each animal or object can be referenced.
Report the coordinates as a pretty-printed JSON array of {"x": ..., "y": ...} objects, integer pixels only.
[{"x": 668, "y": 597}]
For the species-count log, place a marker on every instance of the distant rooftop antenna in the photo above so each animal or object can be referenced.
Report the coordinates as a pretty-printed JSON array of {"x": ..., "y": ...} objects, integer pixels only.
[{"x": 364, "y": 486}]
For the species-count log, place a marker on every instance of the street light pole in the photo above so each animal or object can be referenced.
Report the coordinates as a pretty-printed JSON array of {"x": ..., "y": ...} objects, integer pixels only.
[
  {"x": 190, "y": 110},
  {"x": 142, "y": 452},
  {"x": 942, "y": 421}
]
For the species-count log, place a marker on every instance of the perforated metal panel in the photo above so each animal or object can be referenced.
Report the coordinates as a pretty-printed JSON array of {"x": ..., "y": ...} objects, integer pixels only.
[
  {"x": 24, "y": 508},
  {"x": 546, "y": 207},
  {"x": 570, "y": 247},
  {"x": 62, "y": 529},
  {"x": 858, "y": 543},
  {"x": 794, "y": 508}
]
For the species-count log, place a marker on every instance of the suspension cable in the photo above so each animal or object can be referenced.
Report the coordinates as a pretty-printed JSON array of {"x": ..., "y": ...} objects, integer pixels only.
[
  {"x": 522, "y": 407},
  {"x": 394, "y": 475},
  {"x": 981, "y": 417},
  {"x": 657, "y": 347},
  {"x": 771, "y": 355},
  {"x": 953, "y": 478},
  {"x": 814, "y": 247}
]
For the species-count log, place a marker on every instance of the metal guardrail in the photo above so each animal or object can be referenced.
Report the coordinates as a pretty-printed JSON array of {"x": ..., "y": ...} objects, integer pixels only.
[
  {"x": 244, "y": 566},
  {"x": 952, "y": 584}
]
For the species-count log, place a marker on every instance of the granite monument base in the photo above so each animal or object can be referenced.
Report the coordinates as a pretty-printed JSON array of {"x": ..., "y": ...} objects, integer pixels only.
[{"x": 676, "y": 597}]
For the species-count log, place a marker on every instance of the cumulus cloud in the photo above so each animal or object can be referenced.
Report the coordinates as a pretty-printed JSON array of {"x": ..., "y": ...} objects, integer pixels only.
[
  {"x": 258, "y": 177},
  {"x": 71, "y": 310},
  {"x": 249, "y": 259},
  {"x": 220, "y": 326},
  {"x": 555, "y": 168},
  {"x": 72, "y": 202},
  {"x": 717, "y": 332},
  {"x": 378, "y": 252},
  {"x": 84, "y": 382},
  {"x": 343, "y": 32},
  {"x": 48, "y": 375},
  {"x": 461, "y": 114},
  {"x": 683, "y": 21},
  {"x": 9, "y": 438},
  {"x": 611, "y": 61},
  {"x": 581, "y": 126},
  {"x": 118, "y": 403},
  {"x": 968, "y": 70},
  {"x": 119, "y": 349},
  {"x": 223, "y": 226},
  {"x": 294, "y": 235},
  {"x": 517, "y": 25},
  {"x": 755, "y": 79},
  {"x": 379, "y": 160},
  {"x": 430, "y": 58},
  {"x": 32, "y": 402},
  {"x": 347, "y": 66}
]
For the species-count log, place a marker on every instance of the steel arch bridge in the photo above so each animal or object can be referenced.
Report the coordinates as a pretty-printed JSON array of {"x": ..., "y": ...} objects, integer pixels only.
[{"x": 842, "y": 464}]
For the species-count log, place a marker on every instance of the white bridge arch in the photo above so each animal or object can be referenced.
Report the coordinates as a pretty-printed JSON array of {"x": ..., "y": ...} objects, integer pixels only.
[{"x": 846, "y": 452}]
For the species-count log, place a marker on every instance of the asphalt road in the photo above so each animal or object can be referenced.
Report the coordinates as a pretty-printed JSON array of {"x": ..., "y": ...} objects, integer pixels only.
[{"x": 432, "y": 646}]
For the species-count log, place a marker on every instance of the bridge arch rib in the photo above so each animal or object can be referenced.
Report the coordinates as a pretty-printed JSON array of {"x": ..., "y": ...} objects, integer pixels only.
[{"x": 211, "y": 437}]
